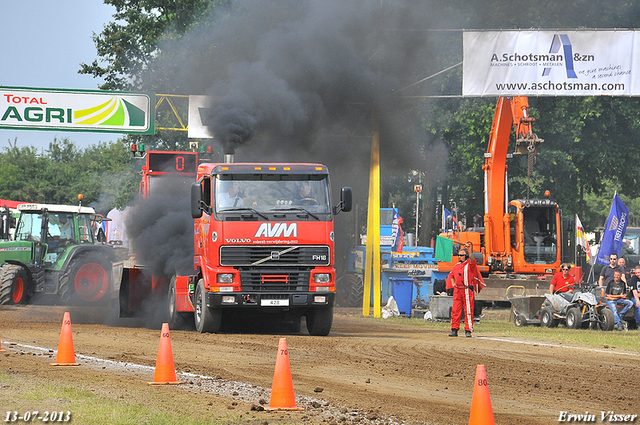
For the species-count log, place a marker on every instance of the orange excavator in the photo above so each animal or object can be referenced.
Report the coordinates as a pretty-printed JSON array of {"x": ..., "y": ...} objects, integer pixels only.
[{"x": 520, "y": 243}]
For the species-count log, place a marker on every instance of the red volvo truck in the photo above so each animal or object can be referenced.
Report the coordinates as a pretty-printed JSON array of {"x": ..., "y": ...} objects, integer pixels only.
[{"x": 263, "y": 242}]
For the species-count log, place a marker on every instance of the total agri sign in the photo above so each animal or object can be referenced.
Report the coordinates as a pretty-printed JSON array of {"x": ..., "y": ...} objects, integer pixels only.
[{"x": 76, "y": 110}]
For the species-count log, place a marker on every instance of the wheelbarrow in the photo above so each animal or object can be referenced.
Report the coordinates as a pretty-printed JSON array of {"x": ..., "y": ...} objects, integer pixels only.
[{"x": 524, "y": 310}]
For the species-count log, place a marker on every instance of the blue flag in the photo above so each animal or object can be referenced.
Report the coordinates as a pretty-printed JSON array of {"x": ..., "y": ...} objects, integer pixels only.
[
  {"x": 446, "y": 214},
  {"x": 614, "y": 231}
]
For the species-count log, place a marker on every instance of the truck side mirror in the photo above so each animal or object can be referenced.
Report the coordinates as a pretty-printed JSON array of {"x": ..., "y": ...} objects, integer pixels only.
[
  {"x": 345, "y": 201},
  {"x": 196, "y": 200}
]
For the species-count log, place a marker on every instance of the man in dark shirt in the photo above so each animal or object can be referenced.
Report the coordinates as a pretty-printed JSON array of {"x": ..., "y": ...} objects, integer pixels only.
[
  {"x": 606, "y": 275},
  {"x": 616, "y": 294}
]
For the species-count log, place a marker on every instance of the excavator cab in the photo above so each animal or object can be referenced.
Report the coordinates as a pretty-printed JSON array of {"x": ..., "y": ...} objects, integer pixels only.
[{"x": 534, "y": 233}]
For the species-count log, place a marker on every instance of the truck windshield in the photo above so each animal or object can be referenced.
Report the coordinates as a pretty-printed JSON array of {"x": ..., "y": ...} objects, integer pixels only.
[
  {"x": 540, "y": 235},
  {"x": 271, "y": 193}
]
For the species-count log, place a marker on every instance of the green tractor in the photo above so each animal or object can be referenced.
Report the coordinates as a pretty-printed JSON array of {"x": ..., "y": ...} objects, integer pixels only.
[{"x": 56, "y": 256}]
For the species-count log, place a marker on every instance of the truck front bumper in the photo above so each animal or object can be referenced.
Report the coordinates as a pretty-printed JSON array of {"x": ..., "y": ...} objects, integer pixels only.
[{"x": 270, "y": 300}]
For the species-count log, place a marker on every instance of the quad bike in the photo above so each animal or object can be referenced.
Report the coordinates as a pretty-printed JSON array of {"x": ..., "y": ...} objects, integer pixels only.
[{"x": 581, "y": 308}]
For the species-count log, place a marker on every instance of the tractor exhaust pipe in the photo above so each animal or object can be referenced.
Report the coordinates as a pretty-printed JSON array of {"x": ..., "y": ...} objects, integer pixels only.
[{"x": 229, "y": 158}]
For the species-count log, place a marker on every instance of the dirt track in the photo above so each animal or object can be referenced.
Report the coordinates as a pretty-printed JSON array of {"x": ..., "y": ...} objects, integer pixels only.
[{"x": 388, "y": 372}]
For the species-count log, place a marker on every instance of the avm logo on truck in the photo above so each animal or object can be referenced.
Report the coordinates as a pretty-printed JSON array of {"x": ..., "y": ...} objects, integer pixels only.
[{"x": 276, "y": 230}]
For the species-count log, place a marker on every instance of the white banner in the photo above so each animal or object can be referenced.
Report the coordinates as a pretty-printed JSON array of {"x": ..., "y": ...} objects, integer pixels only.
[
  {"x": 551, "y": 63},
  {"x": 76, "y": 110},
  {"x": 198, "y": 106}
]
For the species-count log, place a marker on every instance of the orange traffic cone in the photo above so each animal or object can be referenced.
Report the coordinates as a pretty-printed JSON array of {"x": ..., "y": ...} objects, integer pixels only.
[
  {"x": 165, "y": 373},
  {"x": 282, "y": 396},
  {"x": 66, "y": 356},
  {"x": 1, "y": 350},
  {"x": 481, "y": 410}
]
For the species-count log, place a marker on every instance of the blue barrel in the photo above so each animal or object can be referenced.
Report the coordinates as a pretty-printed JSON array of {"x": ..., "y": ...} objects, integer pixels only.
[{"x": 403, "y": 294}]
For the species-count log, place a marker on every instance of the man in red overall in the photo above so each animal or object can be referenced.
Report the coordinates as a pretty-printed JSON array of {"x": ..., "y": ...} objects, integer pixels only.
[{"x": 465, "y": 278}]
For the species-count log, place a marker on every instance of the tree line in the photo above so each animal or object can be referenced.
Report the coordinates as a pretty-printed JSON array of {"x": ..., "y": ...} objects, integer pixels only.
[{"x": 591, "y": 143}]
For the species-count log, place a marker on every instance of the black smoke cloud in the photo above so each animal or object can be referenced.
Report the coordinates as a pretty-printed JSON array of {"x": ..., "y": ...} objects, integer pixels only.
[
  {"x": 307, "y": 77},
  {"x": 305, "y": 80},
  {"x": 160, "y": 229}
]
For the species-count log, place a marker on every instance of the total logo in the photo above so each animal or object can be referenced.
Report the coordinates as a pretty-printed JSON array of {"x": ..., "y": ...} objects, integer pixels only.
[{"x": 276, "y": 230}]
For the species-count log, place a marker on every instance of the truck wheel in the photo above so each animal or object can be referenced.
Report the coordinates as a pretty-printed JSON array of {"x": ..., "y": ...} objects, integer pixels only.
[
  {"x": 206, "y": 319},
  {"x": 355, "y": 286},
  {"x": 319, "y": 321},
  {"x": 608, "y": 319},
  {"x": 86, "y": 279},
  {"x": 520, "y": 320},
  {"x": 546, "y": 318},
  {"x": 574, "y": 318},
  {"x": 14, "y": 285},
  {"x": 177, "y": 319}
]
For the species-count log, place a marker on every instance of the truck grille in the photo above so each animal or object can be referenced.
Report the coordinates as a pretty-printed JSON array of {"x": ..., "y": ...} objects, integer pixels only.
[
  {"x": 267, "y": 279},
  {"x": 275, "y": 256}
]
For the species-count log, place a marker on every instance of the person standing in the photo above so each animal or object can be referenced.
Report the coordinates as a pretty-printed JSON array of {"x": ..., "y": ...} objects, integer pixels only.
[
  {"x": 622, "y": 263},
  {"x": 615, "y": 295},
  {"x": 606, "y": 274},
  {"x": 634, "y": 288},
  {"x": 562, "y": 281},
  {"x": 465, "y": 278}
]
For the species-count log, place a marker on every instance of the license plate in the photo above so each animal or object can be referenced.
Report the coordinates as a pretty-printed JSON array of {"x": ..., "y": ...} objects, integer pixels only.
[{"x": 274, "y": 303}]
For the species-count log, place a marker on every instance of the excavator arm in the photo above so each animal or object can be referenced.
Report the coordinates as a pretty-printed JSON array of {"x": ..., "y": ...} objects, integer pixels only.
[{"x": 510, "y": 113}]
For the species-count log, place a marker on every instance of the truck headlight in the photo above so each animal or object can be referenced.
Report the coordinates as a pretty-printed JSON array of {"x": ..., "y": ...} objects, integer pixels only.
[
  {"x": 225, "y": 277},
  {"x": 322, "y": 278},
  {"x": 228, "y": 299},
  {"x": 319, "y": 299}
]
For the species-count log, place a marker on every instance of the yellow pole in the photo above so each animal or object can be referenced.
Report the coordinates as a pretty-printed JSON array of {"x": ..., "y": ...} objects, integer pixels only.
[{"x": 372, "y": 253}]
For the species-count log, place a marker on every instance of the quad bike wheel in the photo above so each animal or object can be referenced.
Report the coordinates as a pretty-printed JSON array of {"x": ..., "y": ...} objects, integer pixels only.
[
  {"x": 574, "y": 318},
  {"x": 546, "y": 318},
  {"x": 14, "y": 285},
  {"x": 608, "y": 319}
]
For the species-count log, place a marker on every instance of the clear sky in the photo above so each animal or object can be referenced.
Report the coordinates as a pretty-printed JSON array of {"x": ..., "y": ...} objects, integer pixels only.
[{"x": 42, "y": 43}]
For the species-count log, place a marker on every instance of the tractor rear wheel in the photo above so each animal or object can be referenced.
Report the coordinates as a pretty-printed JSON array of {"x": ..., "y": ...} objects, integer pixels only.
[
  {"x": 206, "y": 319},
  {"x": 86, "y": 280},
  {"x": 15, "y": 286}
]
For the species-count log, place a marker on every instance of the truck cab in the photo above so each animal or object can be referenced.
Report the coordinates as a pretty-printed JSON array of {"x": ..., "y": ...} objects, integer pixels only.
[{"x": 264, "y": 240}]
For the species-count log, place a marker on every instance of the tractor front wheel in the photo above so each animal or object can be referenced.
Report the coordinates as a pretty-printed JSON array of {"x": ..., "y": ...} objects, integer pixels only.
[
  {"x": 86, "y": 280},
  {"x": 15, "y": 286}
]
